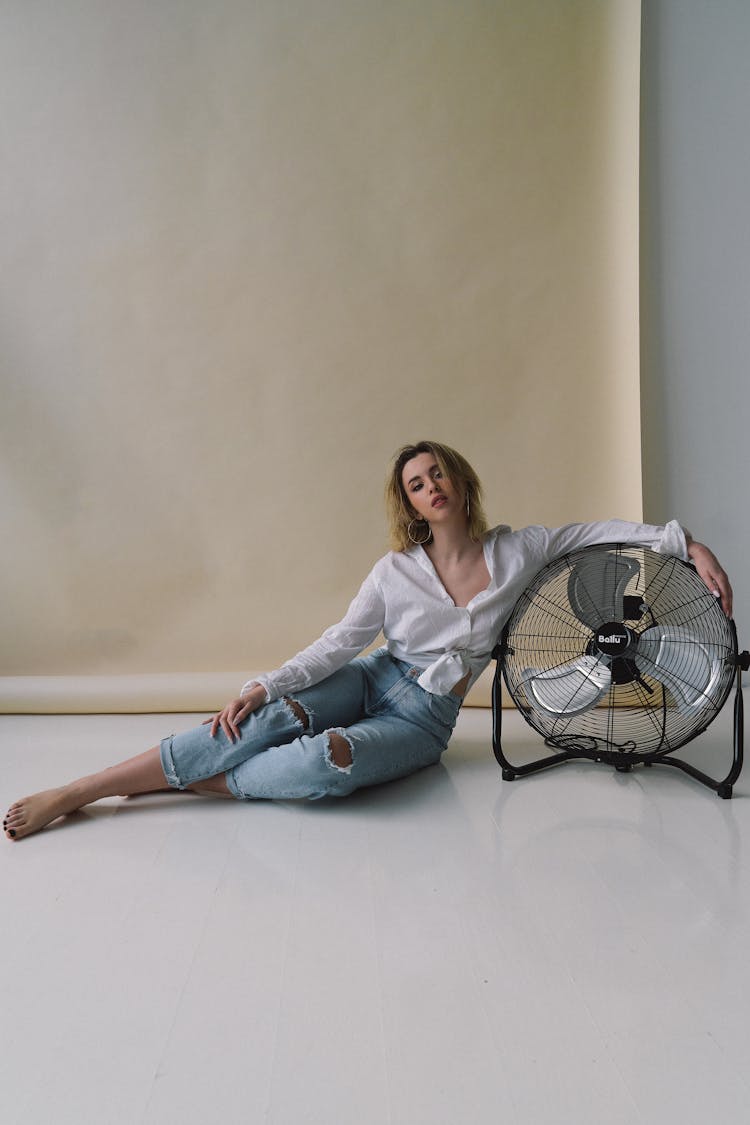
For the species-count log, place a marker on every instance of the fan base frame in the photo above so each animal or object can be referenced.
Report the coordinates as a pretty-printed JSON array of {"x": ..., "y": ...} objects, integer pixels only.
[{"x": 622, "y": 761}]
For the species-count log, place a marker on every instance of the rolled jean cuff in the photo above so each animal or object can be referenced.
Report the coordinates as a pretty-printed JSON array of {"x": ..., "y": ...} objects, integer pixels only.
[
  {"x": 233, "y": 787},
  {"x": 167, "y": 763}
]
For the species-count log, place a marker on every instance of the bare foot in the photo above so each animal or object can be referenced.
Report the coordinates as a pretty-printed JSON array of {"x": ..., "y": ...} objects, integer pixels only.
[{"x": 32, "y": 813}]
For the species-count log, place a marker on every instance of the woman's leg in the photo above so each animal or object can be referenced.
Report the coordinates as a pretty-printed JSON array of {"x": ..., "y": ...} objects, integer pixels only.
[
  {"x": 202, "y": 762},
  {"x": 142, "y": 774},
  {"x": 193, "y": 760},
  {"x": 401, "y": 730},
  {"x": 337, "y": 761},
  {"x": 192, "y": 757}
]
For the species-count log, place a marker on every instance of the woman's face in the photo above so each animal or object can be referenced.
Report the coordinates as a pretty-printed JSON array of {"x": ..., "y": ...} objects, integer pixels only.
[{"x": 430, "y": 493}]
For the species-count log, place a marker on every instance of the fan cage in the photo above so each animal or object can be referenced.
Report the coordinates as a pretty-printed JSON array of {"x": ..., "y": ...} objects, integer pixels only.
[{"x": 641, "y": 717}]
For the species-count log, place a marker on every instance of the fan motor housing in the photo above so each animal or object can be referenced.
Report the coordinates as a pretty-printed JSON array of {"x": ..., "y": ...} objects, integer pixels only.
[{"x": 613, "y": 638}]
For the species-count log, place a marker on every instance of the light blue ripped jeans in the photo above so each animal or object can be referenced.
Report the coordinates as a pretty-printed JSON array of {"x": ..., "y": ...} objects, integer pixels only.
[{"x": 393, "y": 727}]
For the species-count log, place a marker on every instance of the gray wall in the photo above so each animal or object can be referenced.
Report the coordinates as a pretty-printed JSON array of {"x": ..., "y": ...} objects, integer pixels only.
[{"x": 695, "y": 275}]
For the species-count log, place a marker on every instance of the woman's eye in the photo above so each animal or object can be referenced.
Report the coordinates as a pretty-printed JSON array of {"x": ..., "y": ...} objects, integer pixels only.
[{"x": 416, "y": 487}]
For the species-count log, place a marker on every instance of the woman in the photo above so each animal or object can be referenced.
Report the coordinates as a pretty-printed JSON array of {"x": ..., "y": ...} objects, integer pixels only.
[{"x": 328, "y": 722}]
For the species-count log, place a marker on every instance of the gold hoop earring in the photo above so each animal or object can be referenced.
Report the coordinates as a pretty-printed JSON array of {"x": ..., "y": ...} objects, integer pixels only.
[{"x": 419, "y": 542}]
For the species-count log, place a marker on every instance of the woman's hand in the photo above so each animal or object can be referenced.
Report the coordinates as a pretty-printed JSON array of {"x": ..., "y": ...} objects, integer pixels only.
[
  {"x": 712, "y": 573},
  {"x": 235, "y": 712}
]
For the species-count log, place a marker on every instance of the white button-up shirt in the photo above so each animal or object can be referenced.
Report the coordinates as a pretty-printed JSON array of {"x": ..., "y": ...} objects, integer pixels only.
[{"x": 403, "y": 598}]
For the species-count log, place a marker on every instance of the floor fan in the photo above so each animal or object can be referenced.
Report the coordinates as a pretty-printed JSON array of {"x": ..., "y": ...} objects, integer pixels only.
[{"x": 621, "y": 655}]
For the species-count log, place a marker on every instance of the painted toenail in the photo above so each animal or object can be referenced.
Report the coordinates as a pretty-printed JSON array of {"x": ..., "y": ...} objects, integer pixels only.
[{"x": 12, "y": 831}]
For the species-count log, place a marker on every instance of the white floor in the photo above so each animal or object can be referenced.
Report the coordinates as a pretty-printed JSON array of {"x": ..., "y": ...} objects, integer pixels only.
[{"x": 567, "y": 948}]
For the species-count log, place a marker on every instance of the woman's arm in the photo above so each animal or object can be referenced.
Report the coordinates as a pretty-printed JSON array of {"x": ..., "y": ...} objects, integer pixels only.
[
  {"x": 339, "y": 644},
  {"x": 669, "y": 539},
  {"x": 359, "y": 626}
]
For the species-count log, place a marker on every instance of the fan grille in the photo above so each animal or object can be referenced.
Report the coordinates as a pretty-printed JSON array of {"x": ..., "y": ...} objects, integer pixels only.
[{"x": 638, "y": 712}]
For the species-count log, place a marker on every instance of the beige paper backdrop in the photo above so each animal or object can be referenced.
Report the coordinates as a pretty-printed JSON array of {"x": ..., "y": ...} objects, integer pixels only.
[{"x": 250, "y": 249}]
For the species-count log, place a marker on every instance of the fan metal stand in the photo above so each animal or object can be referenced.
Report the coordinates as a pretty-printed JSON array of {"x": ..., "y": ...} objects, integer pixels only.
[{"x": 621, "y": 760}]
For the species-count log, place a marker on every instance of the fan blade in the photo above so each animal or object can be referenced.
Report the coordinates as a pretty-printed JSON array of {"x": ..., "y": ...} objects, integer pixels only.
[
  {"x": 597, "y": 584},
  {"x": 678, "y": 659},
  {"x": 570, "y": 689}
]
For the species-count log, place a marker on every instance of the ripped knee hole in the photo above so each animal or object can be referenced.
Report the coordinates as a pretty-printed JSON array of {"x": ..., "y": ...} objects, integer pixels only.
[
  {"x": 340, "y": 751},
  {"x": 298, "y": 710}
]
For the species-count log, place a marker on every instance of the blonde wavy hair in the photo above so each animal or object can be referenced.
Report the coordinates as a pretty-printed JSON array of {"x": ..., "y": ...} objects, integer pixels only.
[{"x": 453, "y": 466}]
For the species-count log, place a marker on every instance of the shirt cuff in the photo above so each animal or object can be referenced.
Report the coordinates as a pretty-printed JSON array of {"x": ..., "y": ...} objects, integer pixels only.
[
  {"x": 673, "y": 541},
  {"x": 257, "y": 682}
]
